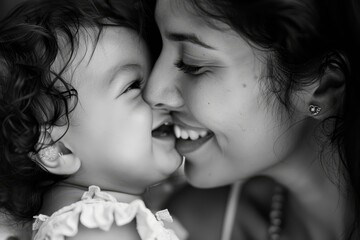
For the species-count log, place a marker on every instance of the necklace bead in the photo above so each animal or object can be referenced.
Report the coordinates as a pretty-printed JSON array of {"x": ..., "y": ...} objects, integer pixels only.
[{"x": 276, "y": 213}]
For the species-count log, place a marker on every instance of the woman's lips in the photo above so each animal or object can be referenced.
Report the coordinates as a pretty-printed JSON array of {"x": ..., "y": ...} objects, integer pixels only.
[{"x": 189, "y": 139}]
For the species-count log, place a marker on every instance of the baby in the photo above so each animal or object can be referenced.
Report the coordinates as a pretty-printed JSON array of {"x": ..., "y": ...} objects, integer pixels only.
[{"x": 78, "y": 143}]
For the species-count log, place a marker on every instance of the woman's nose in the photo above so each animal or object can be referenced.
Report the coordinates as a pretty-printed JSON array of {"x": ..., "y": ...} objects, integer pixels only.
[{"x": 162, "y": 90}]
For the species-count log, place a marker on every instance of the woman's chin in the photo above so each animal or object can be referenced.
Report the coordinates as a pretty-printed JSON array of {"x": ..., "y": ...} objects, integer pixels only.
[{"x": 197, "y": 177}]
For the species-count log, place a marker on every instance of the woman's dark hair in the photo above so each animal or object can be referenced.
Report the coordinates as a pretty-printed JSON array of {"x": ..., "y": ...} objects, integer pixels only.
[
  {"x": 351, "y": 136},
  {"x": 33, "y": 95},
  {"x": 304, "y": 38}
]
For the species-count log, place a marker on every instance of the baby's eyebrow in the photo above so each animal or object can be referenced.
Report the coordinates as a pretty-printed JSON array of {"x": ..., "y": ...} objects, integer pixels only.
[{"x": 123, "y": 68}]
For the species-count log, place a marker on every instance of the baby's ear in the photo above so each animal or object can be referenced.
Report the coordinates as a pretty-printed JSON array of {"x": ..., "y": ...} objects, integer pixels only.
[
  {"x": 55, "y": 157},
  {"x": 327, "y": 93}
]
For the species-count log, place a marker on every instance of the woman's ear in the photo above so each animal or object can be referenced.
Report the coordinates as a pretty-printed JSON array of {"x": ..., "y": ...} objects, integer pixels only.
[
  {"x": 55, "y": 157},
  {"x": 328, "y": 96},
  {"x": 324, "y": 97}
]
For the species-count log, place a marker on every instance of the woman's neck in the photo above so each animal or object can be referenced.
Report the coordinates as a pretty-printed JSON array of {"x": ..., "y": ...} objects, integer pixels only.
[
  {"x": 64, "y": 194},
  {"x": 313, "y": 197}
]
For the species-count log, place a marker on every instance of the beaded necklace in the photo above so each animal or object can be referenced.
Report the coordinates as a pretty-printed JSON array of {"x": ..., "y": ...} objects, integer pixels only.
[{"x": 275, "y": 214}]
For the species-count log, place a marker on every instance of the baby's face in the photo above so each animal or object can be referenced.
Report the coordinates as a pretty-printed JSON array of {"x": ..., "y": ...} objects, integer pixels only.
[{"x": 111, "y": 127}]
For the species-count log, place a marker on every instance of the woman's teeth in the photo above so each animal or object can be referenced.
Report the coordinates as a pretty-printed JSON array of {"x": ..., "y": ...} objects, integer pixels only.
[{"x": 187, "y": 133}]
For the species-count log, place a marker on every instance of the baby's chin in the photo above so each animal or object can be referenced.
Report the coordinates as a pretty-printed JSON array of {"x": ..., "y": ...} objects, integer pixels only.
[{"x": 168, "y": 161}]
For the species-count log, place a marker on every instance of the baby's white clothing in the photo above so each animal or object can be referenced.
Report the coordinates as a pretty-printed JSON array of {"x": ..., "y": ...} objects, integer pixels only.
[{"x": 98, "y": 209}]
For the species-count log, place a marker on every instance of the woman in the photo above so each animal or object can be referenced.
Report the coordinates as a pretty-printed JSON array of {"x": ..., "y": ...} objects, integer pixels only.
[{"x": 261, "y": 88}]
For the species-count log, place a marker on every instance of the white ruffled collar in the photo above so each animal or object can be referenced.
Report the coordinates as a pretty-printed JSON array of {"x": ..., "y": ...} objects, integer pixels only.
[{"x": 98, "y": 209}]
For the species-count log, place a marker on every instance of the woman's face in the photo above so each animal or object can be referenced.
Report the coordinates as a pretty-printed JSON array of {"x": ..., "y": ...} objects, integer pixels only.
[
  {"x": 111, "y": 128},
  {"x": 213, "y": 83}
]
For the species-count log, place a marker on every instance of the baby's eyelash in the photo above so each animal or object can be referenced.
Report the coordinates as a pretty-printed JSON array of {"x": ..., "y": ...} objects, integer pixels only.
[
  {"x": 137, "y": 84},
  {"x": 189, "y": 69}
]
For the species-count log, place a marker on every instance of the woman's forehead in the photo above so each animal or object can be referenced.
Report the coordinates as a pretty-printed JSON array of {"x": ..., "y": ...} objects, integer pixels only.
[{"x": 174, "y": 13}]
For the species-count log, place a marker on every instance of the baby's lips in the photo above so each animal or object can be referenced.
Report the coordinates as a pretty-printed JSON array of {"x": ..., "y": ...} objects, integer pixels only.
[{"x": 164, "y": 130}]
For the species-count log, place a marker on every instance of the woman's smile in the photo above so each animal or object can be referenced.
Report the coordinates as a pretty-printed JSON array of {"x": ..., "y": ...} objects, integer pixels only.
[
  {"x": 219, "y": 113},
  {"x": 190, "y": 138}
]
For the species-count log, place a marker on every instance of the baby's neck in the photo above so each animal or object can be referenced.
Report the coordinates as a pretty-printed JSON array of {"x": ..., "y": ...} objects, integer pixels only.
[{"x": 64, "y": 194}]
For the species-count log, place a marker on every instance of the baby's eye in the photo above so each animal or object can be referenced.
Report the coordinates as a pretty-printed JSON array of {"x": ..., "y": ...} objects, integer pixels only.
[
  {"x": 135, "y": 85},
  {"x": 189, "y": 69}
]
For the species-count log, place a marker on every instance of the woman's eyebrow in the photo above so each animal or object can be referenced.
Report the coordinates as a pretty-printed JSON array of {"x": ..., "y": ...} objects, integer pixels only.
[{"x": 187, "y": 37}]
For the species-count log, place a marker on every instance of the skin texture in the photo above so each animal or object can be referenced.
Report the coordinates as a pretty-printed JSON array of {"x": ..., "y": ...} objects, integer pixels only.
[
  {"x": 110, "y": 132},
  {"x": 110, "y": 128},
  {"x": 225, "y": 96},
  {"x": 212, "y": 79}
]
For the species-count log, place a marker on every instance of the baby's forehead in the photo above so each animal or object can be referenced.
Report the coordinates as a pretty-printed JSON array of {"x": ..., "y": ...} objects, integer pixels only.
[
  {"x": 89, "y": 39},
  {"x": 100, "y": 51},
  {"x": 76, "y": 49},
  {"x": 73, "y": 47}
]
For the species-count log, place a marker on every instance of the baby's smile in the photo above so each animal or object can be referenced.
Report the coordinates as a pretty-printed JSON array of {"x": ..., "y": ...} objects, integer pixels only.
[{"x": 164, "y": 130}]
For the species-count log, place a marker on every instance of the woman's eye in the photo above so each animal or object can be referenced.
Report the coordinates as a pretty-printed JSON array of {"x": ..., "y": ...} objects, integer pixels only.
[
  {"x": 136, "y": 85},
  {"x": 189, "y": 69}
]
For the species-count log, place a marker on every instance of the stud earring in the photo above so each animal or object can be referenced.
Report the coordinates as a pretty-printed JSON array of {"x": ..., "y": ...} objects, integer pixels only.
[
  {"x": 49, "y": 153},
  {"x": 314, "y": 110}
]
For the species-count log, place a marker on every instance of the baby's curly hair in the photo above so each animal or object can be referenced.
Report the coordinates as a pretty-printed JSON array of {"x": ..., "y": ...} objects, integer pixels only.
[{"x": 33, "y": 95}]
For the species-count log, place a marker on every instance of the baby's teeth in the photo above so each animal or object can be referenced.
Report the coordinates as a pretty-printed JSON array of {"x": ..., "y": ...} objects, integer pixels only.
[
  {"x": 177, "y": 131},
  {"x": 184, "y": 135},
  {"x": 193, "y": 135},
  {"x": 203, "y": 133}
]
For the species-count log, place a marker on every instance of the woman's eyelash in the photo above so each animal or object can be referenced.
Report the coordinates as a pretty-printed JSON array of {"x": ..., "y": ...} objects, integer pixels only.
[{"x": 189, "y": 69}]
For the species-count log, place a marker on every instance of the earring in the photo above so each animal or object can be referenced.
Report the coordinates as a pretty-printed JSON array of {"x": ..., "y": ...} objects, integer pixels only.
[
  {"x": 49, "y": 153},
  {"x": 314, "y": 110}
]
